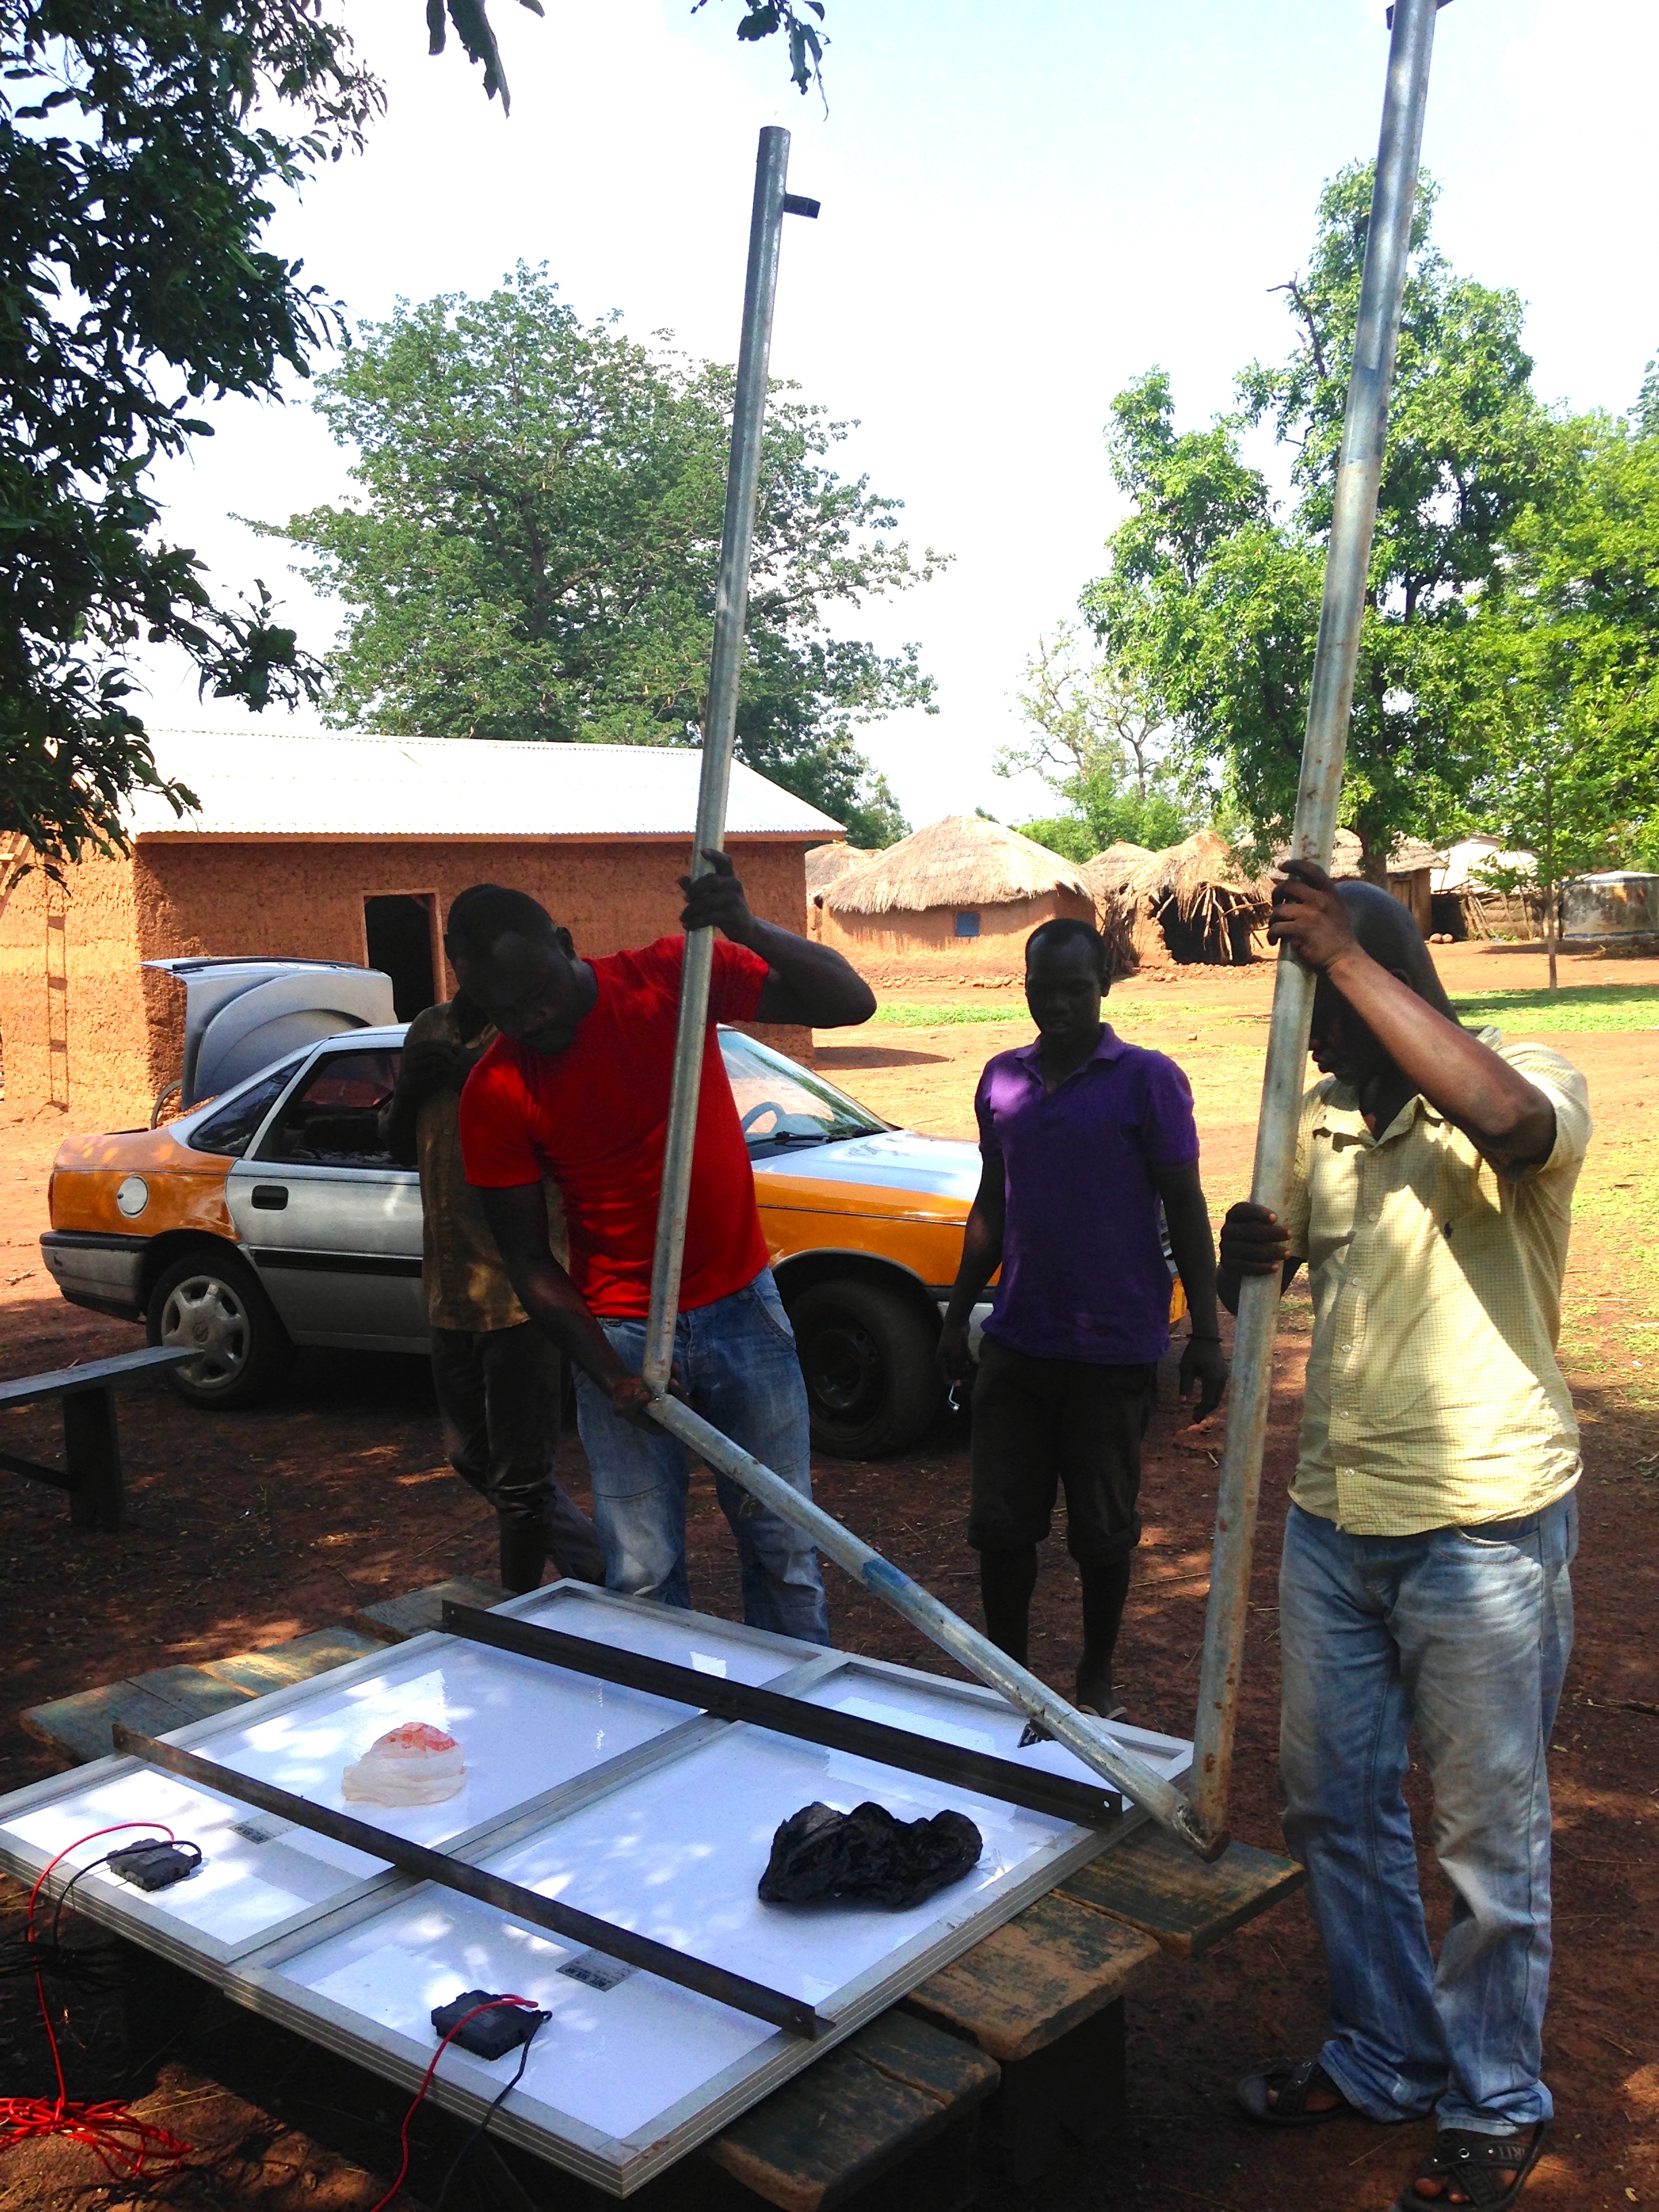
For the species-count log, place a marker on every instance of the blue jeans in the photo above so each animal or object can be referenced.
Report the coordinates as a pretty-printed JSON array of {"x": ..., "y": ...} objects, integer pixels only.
[
  {"x": 1462, "y": 1636},
  {"x": 738, "y": 1367}
]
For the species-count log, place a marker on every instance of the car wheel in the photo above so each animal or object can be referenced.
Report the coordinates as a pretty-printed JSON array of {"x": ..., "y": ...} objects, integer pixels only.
[
  {"x": 211, "y": 1302},
  {"x": 868, "y": 1357}
]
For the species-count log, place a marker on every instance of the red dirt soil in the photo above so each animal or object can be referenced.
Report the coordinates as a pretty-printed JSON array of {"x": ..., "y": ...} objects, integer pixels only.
[{"x": 248, "y": 1528}]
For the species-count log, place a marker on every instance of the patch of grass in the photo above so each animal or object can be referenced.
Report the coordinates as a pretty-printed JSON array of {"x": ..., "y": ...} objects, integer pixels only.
[
  {"x": 900, "y": 1014},
  {"x": 1575, "y": 1007}
]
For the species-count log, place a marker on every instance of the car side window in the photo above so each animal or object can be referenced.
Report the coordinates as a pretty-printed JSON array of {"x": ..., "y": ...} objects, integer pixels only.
[
  {"x": 333, "y": 1118},
  {"x": 232, "y": 1130}
]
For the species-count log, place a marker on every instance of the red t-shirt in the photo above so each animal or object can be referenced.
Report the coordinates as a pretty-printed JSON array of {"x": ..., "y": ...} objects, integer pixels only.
[{"x": 595, "y": 1118}]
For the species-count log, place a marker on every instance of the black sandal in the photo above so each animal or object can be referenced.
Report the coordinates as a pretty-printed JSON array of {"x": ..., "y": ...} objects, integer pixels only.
[
  {"x": 1278, "y": 2095},
  {"x": 1471, "y": 2163}
]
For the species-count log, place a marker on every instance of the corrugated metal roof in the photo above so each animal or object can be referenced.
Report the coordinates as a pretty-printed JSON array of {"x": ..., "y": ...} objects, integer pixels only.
[{"x": 278, "y": 784}]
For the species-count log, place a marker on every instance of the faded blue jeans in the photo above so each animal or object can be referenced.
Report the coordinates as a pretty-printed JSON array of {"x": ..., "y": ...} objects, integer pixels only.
[
  {"x": 1462, "y": 1637},
  {"x": 739, "y": 1370}
]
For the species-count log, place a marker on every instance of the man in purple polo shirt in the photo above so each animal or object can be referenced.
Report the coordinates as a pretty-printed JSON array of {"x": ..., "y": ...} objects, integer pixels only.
[{"x": 1082, "y": 1137}]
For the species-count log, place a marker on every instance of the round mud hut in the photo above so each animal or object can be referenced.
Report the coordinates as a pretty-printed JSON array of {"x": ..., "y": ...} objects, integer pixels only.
[
  {"x": 1195, "y": 903},
  {"x": 956, "y": 901},
  {"x": 827, "y": 865}
]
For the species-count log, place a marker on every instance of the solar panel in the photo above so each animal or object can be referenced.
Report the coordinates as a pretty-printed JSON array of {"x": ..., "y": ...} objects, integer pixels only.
[{"x": 633, "y": 1808}]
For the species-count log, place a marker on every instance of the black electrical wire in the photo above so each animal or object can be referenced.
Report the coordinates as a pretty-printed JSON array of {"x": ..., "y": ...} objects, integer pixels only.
[
  {"x": 477, "y": 2135},
  {"x": 94, "y": 1968}
]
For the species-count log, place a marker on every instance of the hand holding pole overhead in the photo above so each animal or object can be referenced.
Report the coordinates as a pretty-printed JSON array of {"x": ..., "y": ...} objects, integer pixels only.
[{"x": 1347, "y": 570}]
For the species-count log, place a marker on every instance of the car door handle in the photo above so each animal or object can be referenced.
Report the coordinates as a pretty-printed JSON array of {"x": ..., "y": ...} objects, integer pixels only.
[{"x": 270, "y": 1197}]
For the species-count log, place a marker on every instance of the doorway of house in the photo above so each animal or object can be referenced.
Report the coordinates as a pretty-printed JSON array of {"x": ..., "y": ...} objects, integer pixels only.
[{"x": 399, "y": 926}]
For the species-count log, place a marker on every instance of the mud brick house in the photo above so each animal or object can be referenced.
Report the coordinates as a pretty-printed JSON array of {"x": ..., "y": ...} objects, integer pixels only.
[
  {"x": 955, "y": 902},
  {"x": 350, "y": 848}
]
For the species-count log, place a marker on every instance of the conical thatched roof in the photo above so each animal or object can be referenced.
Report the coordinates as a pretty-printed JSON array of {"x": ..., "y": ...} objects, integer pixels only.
[
  {"x": 828, "y": 864},
  {"x": 963, "y": 862},
  {"x": 1107, "y": 870},
  {"x": 1192, "y": 873}
]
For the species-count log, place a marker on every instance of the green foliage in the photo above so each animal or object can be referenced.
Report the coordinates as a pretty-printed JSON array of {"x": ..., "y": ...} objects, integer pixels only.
[
  {"x": 899, "y": 1014},
  {"x": 1212, "y": 598},
  {"x": 763, "y": 19},
  {"x": 1099, "y": 741},
  {"x": 473, "y": 29},
  {"x": 533, "y": 550},
  {"x": 1599, "y": 1006},
  {"x": 138, "y": 143},
  {"x": 1566, "y": 665}
]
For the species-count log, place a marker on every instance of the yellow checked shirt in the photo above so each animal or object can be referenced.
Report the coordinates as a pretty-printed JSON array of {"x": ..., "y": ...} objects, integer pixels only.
[{"x": 1433, "y": 1396}]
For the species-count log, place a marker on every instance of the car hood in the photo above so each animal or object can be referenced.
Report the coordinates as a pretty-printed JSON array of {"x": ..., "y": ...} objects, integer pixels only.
[{"x": 937, "y": 1174}]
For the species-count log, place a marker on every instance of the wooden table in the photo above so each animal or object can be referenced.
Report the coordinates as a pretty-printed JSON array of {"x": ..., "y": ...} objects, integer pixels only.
[{"x": 1018, "y": 2042}]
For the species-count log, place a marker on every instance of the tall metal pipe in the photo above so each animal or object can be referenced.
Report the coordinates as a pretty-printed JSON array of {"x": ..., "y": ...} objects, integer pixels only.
[
  {"x": 719, "y": 724},
  {"x": 1090, "y": 1742},
  {"x": 1348, "y": 569}
]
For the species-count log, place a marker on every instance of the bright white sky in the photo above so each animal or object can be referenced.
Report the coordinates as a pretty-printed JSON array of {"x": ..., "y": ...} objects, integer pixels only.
[{"x": 1023, "y": 208}]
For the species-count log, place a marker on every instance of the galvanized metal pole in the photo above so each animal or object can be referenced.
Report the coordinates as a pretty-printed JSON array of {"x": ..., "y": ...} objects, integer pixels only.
[
  {"x": 1347, "y": 568},
  {"x": 1098, "y": 1751},
  {"x": 720, "y": 723}
]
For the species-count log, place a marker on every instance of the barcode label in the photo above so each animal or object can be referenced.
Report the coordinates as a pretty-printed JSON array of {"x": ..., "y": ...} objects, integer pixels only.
[
  {"x": 260, "y": 1828},
  {"x": 595, "y": 1971}
]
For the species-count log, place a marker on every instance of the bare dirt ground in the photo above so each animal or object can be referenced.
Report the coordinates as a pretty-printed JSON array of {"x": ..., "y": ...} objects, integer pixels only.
[{"x": 249, "y": 1528}]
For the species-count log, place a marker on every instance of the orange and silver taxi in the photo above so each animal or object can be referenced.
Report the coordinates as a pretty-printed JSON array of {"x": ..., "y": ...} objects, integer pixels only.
[{"x": 269, "y": 1217}]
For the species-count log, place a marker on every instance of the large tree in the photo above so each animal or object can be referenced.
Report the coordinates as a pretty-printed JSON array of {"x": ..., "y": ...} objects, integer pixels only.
[
  {"x": 1211, "y": 597},
  {"x": 140, "y": 141},
  {"x": 1562, "y": 678},
  {"x": 1102, "y": 745},
  {"x": 533, "y": 548}
]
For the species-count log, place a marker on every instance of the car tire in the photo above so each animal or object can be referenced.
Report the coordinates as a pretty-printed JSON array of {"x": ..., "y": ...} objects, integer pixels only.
[
  {"x": 867, "y": 1353},
  {"x": 212, "y": 1298}
]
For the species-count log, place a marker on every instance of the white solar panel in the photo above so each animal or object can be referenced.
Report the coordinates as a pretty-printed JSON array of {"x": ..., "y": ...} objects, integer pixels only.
[{"x": 630, "y": 1806}]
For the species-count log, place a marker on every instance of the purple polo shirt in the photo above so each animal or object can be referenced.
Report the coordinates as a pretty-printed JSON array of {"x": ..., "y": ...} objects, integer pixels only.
[{"x": 1083, "y": 1275}]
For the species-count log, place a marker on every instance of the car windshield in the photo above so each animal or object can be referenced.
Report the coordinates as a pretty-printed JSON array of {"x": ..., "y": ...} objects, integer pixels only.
[{"x": 783, "y": 1105}]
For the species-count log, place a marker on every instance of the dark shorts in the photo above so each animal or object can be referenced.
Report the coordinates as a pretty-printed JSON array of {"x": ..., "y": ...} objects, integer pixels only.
[{"x": 1040, "y": 1423}]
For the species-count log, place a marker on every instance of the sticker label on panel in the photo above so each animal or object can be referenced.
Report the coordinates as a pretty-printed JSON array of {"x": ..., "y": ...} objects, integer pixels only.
[
  {"x": 597, "y": 1971},
  {"x": 260, "y": 1828}
]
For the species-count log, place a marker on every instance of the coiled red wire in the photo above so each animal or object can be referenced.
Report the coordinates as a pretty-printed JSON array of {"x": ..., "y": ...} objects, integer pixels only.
[{"x": 131, "y": 2148}]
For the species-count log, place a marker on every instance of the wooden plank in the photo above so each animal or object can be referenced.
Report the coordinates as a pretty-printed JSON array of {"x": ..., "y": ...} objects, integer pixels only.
[
  {"x": 397, "y": 1619},
  {"x": 279, "y": 1664},
  {"x": 858, "y": 2112},
  {"x": 95, "y": 1374},
  {"x": 1153, "y": 1883},
  {"x": 78, "y": 1727},
  {"x": 1036, "y": 1979}
]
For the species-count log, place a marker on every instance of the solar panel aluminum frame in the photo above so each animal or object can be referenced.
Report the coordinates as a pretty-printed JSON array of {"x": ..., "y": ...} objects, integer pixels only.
[
  {"x": 910, "y": 1749},
  {"x": 123, "y": 1909},
  {"x": 251, "y": 1972},
  {"x": 620, "y": 2165}
]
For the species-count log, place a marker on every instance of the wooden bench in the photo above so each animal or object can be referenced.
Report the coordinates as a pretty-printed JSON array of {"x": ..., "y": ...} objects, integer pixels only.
[
  {"x": 91, "y": 1471},
  {"x": 1020, "y": 2041}
]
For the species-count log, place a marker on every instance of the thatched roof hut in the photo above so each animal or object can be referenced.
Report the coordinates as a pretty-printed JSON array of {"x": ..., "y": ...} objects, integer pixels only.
[
  {"x": 961, "y": 894},
  {"x": 828, "y": 864},
  {"x": 1195, "y": 902}
]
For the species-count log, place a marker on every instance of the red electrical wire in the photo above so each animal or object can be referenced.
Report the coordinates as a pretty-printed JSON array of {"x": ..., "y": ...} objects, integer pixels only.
[
  {"x": 131, "y": 2149},
  {"x": 426, "y": 2083}
]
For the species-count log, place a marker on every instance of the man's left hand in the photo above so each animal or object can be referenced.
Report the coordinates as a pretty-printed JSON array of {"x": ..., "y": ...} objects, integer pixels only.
[
  {"x": 1203, "y": 1365},
  {"x": 1309, "y": 916},
  {"x": 716, "y": 901}
]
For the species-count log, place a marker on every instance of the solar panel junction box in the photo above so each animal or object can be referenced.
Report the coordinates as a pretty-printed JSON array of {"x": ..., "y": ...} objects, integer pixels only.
[
  {"x": 492, "y": 2033},
  {"x": 154, "y": 1865}
]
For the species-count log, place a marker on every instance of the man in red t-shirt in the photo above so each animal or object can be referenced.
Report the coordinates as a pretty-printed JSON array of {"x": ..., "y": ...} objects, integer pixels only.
[{"x": 577, "y": 1086}]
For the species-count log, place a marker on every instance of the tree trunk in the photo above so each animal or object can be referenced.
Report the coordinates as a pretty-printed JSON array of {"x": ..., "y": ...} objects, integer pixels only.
[{"x": 1374, "y": 858}]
